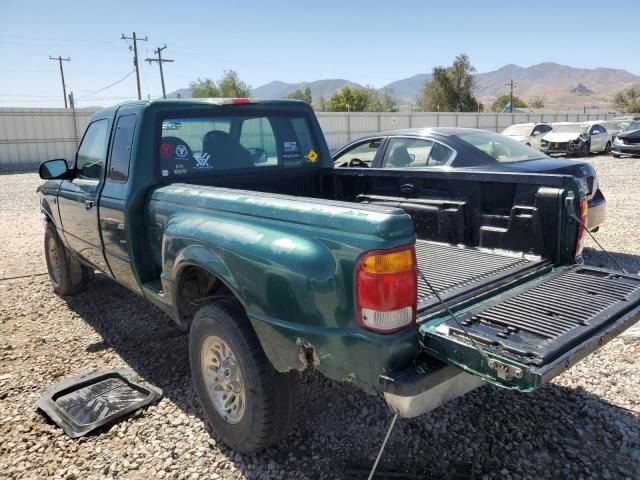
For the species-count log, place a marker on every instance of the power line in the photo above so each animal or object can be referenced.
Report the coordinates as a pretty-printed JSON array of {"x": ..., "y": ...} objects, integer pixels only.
[
  {"x": 108, "y": 86},
  {"x": 160, "y": 61},
  {"x": 64, "y": 88},
  {"x": 135, "y": 57}
]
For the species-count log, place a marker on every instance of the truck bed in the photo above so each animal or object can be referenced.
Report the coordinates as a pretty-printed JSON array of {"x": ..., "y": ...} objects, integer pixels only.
[{"x": 457, "y": 271}]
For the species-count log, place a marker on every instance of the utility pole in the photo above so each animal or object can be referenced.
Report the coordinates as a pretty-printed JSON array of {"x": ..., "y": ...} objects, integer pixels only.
[
  {"x": 512, "y": 85},
  {"x": 160, "y": 60},
  {"x": 64, "y": 88},
  {"x": 135, "y": 57}
]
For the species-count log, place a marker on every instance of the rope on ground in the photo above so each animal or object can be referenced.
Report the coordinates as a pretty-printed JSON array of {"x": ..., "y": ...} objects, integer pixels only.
[{"x": 24, "y": 276}]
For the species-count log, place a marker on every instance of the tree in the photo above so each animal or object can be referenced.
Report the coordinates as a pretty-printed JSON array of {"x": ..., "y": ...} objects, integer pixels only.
[
  {"x": 300, "y": 94},
  {"x": 228, "y": 86},
  {"x": 536, "y": 102},
  {"x": 628, "y": 101},
  {"x": 367, "y": 99},
  {"x": 450, "y": 88},
  {"x": 349, "y": 99},
  {"x": 320, "y": 105},
  {"x": 503, "y": 100}
]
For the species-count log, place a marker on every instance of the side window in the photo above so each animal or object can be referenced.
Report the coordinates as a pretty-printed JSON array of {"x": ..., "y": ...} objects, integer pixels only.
[
  {"x": 408, "y": 152},
  {"x": 93, "y": 150},
  {"x": 440, "y": 155},
  {"x": 358, "y": 154},
  {"x": 121, "y": 149},
  {"x": 256, "y": 135},
  {"x": 594, "y": 129}
]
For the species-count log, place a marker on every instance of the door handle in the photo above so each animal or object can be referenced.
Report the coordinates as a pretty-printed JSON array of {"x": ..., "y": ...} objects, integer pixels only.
[
  {"x": 407, "y": 189},
  {"x": 88, "y": 204}
]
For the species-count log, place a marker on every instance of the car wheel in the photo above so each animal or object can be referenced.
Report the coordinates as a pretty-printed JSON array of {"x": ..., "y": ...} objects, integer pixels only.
[
  {"x": 607, "y": 148},
  {"x": 249, "y": 404},
  {"x": 66, "y": 274},
  {"x": 585, "y": 149}
]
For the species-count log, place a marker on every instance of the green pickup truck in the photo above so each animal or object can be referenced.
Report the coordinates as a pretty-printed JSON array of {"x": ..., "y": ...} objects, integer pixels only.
[{"x": 418, "y": 286}]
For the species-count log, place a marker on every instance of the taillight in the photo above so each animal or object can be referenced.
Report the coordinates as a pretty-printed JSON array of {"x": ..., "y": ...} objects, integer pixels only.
[
  {"x": 583, "y": 209},
  {"x": 386, "y": 289}
]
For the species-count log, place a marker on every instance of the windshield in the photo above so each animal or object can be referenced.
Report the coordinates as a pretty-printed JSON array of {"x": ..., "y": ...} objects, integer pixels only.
[
  {"x": 633, "y": 126},
  {"x": 203, "y": 144},
  {"x": 517, "y": 130},
  {"x": 615, "y": 125},
  {"x": 569, "y": 127},
  {"x": 500, "y": 148}
]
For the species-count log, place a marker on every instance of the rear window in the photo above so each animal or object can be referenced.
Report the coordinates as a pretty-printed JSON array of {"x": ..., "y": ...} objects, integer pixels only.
[
  {"x": 500, "y": 148},
  {"x": 202, "y": 145}
]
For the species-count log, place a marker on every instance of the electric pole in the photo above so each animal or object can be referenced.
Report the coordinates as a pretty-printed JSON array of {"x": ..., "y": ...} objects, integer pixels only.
[
  {"x": 160, "y": 61},
  {"x": 135, "y": 56},
  {"x": 512, "y": 85},
  {"x": 64, "y": 88}
]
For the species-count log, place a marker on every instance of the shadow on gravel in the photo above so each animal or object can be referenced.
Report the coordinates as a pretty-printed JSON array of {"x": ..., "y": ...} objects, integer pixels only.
[
  {"x": 597, "y": 258},
  {"x": 556, "y": 432}
]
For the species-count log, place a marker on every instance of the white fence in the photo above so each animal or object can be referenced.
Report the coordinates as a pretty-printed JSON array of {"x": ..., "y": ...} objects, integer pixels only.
[{"x": 29, "y": 136}]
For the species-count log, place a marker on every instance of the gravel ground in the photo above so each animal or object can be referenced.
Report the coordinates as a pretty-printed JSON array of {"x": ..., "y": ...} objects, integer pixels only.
[{"x": 585, "y": 424}]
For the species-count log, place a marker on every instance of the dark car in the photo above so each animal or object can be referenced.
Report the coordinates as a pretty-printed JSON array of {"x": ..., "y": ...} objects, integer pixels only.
[
  {"x": 466, "y": 148},
  {"x": 627, "y": 142}
]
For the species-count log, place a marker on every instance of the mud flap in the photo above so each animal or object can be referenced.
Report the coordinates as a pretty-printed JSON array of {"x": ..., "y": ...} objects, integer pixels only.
[{"x": 534, "y": 332}]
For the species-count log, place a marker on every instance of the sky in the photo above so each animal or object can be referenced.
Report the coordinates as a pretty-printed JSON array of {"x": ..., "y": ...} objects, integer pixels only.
[{"x": 368, "y": 42}]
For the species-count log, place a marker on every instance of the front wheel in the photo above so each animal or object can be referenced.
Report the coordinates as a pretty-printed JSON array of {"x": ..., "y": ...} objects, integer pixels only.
[
  {"x": 607, "y": 148},
  {"x": 66, "y": 274},
  {"x": 249, "y": 404}
]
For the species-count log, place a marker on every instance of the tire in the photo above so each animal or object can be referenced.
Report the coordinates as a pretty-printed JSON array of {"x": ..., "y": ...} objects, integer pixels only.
[
  {"x": 607, "y": 148},
  {"x": 261, "y": 401},
  {"x": 66, "y": 274},
  {"x": 615, "y": 155},
  {"x": 585, "y": 150}
]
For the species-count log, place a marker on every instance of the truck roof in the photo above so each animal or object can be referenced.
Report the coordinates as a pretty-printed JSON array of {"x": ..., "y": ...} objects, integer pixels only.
[{"x": 213, "y": 101}]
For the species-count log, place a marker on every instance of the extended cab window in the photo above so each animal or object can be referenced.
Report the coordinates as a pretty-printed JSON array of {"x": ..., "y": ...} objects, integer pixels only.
[
  {"x": 202, "y": 145},
  {"x": 93, "y": 150},
  {"x": 121, "y": 149}
]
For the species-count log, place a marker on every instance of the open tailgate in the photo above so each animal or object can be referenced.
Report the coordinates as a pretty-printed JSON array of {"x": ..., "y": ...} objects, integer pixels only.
[{"x": 535, "y": 331}]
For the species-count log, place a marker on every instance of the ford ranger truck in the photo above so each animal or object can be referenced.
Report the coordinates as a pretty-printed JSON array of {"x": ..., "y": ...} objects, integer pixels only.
[{"x": 228, "y": 215}]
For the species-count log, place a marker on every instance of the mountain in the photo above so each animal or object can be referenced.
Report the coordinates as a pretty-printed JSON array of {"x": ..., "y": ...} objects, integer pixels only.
[
  {"x": 406, "y": 90},
  {"x": 319, "y": 88},
  {"x": 561, "y": 86}
]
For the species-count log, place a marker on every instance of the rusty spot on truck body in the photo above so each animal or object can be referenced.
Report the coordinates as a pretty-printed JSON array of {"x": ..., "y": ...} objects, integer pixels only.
[{"x": 307, "y": 354}]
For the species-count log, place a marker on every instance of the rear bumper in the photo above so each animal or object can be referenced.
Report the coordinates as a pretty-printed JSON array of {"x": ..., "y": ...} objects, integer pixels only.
[{"x": 420, "y": 389}]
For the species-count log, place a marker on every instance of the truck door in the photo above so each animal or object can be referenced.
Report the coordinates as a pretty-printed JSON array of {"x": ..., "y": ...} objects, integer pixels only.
[{"x": 78, "y": 198}]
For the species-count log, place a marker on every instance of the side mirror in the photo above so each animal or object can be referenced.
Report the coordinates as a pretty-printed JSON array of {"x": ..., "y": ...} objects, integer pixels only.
[
  {"x": 536, "y": 133},
  {"x": 595, "y": 133},
  {"x": 53, "y": 169}
]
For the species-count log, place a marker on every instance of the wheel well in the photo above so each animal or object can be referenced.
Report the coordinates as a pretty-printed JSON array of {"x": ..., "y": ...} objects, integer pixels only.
[{"x": 195, "y": 286}]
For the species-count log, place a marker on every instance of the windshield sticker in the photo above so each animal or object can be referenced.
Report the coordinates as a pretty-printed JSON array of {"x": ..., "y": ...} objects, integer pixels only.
[
  {"x": 166, "y": 150},
  {"x": 180, "y": 169},
  {"x": 165, "y": 173},
  {"x": 312, "y": 156},
  {"x": 290, "y": 147},
  {"x": 202, "y": 161},
  {"x": 181, "y": 151}
]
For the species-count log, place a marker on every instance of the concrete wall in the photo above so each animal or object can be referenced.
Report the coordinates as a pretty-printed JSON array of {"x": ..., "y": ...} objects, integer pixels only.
[{"x": 28, "y": 136}]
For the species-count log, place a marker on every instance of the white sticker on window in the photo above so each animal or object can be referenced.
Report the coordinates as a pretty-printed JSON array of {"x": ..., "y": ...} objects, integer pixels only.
[
  {"x": 290, "y": 147},
  {"x": 165, "y": 173}
]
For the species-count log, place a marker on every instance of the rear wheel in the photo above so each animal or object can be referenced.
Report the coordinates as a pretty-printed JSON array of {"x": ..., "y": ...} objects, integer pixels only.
[
  {"x": 249, "y": 404},
  {"x": 66, "y": 274}
]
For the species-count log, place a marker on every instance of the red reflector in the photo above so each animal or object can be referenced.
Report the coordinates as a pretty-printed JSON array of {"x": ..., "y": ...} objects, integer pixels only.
[
  {"x": 237, "y": 101},
  {"x": 386, "y": 302}
]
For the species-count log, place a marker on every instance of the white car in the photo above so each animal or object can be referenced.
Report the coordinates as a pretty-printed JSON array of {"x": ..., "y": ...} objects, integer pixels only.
[
  {"x": 528, "y": 133},
  {"x": 576, "y": 139}
]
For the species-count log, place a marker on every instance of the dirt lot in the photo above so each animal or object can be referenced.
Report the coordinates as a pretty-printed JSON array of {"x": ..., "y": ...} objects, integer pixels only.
[{"x": 583, "y": 425}]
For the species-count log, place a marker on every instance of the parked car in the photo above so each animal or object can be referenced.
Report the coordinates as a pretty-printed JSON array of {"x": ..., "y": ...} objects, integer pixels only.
[
  {"x": 528, "y": 133},
  {"x": 466, "y": 148},
  {"x": 581, "y": 139},
  {"x": 236, "y": 224},
  {"x": 627, "y": 142},
  {"x": 614, "y": 127}
]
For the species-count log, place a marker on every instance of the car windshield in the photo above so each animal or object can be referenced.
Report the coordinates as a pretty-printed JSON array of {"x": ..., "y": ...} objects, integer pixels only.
[
  {"x": 616, "y": 125},
  {"x": 500, "y": 148},
  {"x": 517, "y": 130},
  {"x": 570, "y": 127},
  {"x": 633, "y": 126}
]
